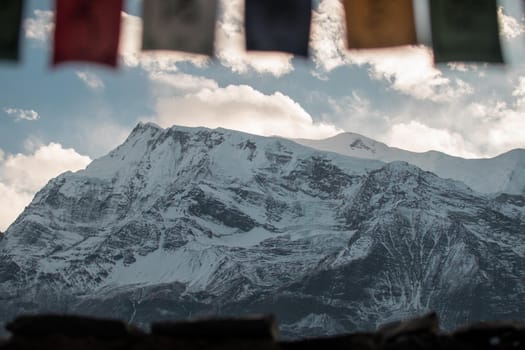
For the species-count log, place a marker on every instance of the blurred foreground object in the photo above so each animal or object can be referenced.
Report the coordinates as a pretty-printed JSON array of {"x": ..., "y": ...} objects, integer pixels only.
[
  {"x": 87, "y": 31},
  {"x": 379, "y": 23},
  {"x": 10, "y": 25},
  {"x": 465, "y": 30},
  {"x": 278, "y": 25},
  {"x": 181, "y": 25},
  {"x": 77, "y": 332}
]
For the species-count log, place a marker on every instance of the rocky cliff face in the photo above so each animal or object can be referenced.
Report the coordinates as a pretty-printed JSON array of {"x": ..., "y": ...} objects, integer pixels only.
[{"x": 181, "y": 222}]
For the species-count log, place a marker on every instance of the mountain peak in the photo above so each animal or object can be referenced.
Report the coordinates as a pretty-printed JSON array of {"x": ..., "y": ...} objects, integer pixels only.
[
  {"x": 218, "y": 220},
  {"x": 145, "y": 126},
  {"x": 141, "y": 129}
]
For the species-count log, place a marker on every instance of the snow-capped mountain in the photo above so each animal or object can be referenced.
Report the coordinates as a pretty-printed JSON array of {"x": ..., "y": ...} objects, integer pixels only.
[
  {"x": 504, "y": 173},
  {"x": 182, "y": 222}
]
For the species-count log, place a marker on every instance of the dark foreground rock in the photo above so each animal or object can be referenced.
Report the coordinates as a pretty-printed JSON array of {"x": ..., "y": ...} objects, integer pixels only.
[{"x": 77, "y": 332}]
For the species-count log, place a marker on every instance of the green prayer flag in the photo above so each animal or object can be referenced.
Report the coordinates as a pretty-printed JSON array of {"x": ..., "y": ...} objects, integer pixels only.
[
  {"x": 10, "y": 24},
  {"x": 465, "y": 30}
]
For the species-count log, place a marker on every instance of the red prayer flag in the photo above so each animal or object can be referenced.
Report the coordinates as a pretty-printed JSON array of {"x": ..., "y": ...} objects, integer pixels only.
[{"x": 87, "y": 30}]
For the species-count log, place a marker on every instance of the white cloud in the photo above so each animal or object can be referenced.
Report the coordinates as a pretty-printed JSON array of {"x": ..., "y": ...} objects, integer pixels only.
[
  {"x": 22, "y": 175},
  {"x": 494, "y": 126},
  {"x": 479, "y": 129},
  {"x": 328, "y": 38},
  {"x": 13, "y": 203},
  {"x": 243, "y": 108},
  {"x": 411, "y": 70},
  {"x": 22, "y": 114},
  {"x": 510, "y": 27},
  {"x": 508, "y": 133},
  {"x": 519, "y": 92},
  {"x": 40, "y": 26},
  {"x": 485, "y": 128},
  {"x": 31, "y": 172},
  {"x": 92, "y": 80},
  {"x": 130, "y": 39},
  {"x": 182, "y": 82},
  {"x": 463, "y": 67},
  {"x": 417, "y": 137}
]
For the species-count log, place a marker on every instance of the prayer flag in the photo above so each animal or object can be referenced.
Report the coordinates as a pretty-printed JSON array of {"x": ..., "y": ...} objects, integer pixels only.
[
  {"x": 379, "y": 23},
  {"x": 278, "y": 25},
  {"x": 10, "y": 24},
  {"x": 87, "y": 30},
  {"x": 182, "y": 25},
  {"x": 465, "y": 30}
]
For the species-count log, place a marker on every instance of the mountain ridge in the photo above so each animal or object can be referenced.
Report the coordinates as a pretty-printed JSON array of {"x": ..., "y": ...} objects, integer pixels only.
[
  {"x": 187, "y": 221},
  {"x": 503, "y": 173},
  {"x": 357, "y": 137}
]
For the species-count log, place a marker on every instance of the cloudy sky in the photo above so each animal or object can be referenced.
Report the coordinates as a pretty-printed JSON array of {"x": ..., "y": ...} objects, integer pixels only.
[{"x": 52, "y": 120}]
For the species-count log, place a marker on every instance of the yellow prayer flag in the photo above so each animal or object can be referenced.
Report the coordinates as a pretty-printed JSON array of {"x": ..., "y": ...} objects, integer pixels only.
[{"x": 379, "y": 23}]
